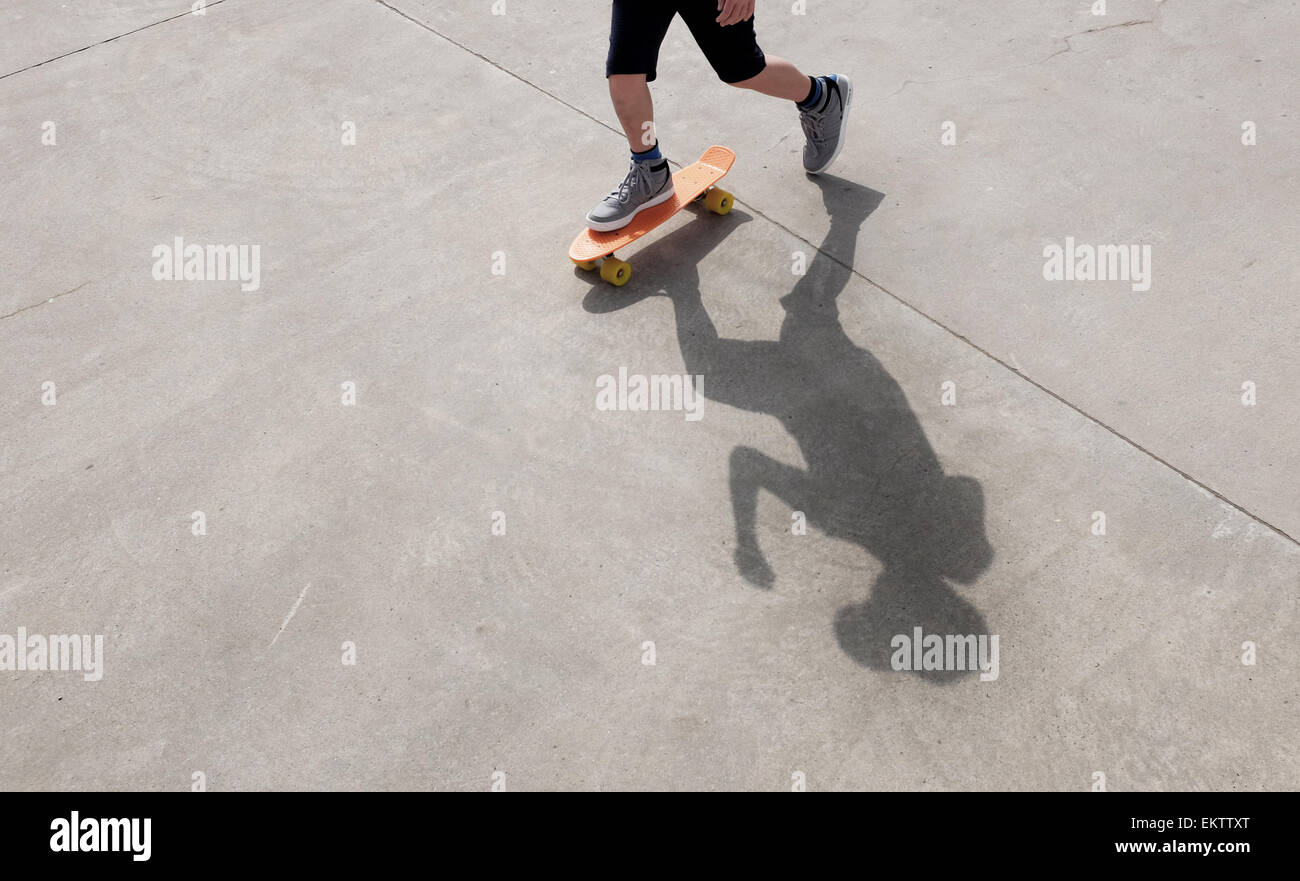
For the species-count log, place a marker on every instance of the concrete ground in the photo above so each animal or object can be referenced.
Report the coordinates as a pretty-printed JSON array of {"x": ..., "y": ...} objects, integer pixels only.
[{"x": 541, "y": 594}]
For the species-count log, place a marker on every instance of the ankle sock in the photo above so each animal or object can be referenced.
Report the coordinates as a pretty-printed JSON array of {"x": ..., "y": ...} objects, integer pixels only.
[
  {"x": 652, "y": 153},
  {"x": 814, "y": 94}
]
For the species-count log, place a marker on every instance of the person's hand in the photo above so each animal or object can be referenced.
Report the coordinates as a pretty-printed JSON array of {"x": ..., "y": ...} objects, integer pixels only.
[{"x": 732, "y": 11}]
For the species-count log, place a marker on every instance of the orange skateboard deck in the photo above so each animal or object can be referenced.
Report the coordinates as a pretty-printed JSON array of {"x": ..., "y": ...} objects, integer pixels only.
[{"x": 689, "y": 184}]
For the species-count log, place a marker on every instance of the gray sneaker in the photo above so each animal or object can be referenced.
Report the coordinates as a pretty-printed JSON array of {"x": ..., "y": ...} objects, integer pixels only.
[
  {"x": 648, "y": 183},
  {"x": 825, "y": 123}
]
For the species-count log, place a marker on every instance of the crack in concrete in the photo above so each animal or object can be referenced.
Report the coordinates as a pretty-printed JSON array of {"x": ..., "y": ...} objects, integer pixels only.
[
  {"x": 22, "y": 309},
  {"x": 507, "y": 71},
  {"x": 1069, "y": 47},
  {"x": 146, "y": 27}
]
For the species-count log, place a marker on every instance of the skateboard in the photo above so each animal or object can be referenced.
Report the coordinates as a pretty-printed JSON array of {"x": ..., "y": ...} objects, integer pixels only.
[{"x": 591, "y": 249}]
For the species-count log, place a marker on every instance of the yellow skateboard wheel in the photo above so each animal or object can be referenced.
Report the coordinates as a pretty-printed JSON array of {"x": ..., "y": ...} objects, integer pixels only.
[
  {"x": 616, "y": 272},
  {"x": 718, "y": 201},
  {"x": 585, "y": 264}
]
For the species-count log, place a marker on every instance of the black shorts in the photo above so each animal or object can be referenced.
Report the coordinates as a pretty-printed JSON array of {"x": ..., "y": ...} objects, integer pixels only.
[{"x": 639, "y": 26}]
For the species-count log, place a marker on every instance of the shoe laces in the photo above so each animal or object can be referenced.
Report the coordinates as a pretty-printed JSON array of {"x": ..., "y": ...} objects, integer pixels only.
[
  {"x": 814, "y": 122},
  {"x": 814, "y": 127},
  {"x": 638, "y": 179}
]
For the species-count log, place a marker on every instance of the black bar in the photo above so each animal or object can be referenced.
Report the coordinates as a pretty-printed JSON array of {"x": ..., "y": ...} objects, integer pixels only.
[{"x": 301, "y": 830}]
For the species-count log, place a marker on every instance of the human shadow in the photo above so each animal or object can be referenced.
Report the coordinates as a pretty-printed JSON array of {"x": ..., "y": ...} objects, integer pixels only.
[{"x": 872, "y": 477}]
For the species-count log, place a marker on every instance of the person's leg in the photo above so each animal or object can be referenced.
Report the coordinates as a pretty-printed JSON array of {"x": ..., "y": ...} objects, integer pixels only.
[
  {"x": 780, "y": 79},
  {"x": 734, "y": 53},
  {"x": 635, "y": 109},
  {"x": 636, "y": 29}
]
